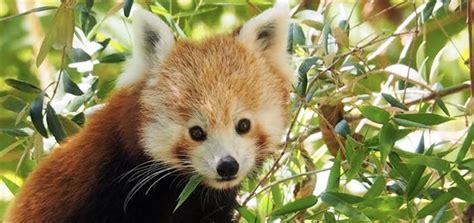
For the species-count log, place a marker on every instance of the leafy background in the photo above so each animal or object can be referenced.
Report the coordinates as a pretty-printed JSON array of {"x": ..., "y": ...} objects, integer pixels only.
[{"x": 381, "y": 119}]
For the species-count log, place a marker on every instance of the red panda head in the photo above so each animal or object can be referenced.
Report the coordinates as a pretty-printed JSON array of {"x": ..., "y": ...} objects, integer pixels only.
[{"x": 215, "y": 107}]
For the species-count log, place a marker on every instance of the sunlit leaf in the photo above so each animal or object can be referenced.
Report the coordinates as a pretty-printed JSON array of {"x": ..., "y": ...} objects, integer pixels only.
[
  {"x": 248, "y": 215},
  {"x": 376, "y": 188},
  {"x": 12, "y": 186},
  {"x": 14, "y": 132},
  {"x": 375, "y": 114},
  {"x": 193, "y": 182}
]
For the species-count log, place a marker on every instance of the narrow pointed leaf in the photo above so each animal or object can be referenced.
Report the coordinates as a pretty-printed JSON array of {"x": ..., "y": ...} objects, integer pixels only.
[
  {"x": 437, "y": 203},
  {"x": 334, "y": 175},
  {"x": 375, "y": 114},
  {"x": 36, "y": 114},
  {"x": 343, "y": 207},
  {"x": 22, "y": 86},
  {"x": 248, "y": 215},
  {"x": 428, "y": 119},
  {"x": 193, "y": 182},
  {"x": 394, "y": 102},
  {"x": 54, "y": 125},
  {"x": 386, "y": 140},
  {"x": 127, "y": 7},
  {"x": 295, "y": 206},
  {"x": 466, "y": 144},
  {"x": 69, "y": 85}
]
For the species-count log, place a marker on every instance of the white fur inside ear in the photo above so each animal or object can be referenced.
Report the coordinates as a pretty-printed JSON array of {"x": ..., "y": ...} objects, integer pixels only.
[
  {"x": 152, "y": 41},
  {"x": 267, "y": 34}
]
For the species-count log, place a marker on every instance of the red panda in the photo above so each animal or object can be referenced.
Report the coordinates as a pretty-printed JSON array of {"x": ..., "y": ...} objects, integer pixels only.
[{"x": 213, "y": 108}]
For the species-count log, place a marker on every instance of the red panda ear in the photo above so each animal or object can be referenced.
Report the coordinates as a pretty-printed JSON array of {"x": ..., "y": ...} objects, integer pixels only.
[
  {"x": 267, "y": 34},
  {"x": 152, "y": 41}
]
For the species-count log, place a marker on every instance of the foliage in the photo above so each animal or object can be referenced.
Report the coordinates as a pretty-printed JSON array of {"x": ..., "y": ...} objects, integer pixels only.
[{"x": 379, "y": 109}]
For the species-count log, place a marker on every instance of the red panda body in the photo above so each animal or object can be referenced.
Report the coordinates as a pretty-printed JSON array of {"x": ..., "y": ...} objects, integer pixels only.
[{"x": 214, "y": 108}]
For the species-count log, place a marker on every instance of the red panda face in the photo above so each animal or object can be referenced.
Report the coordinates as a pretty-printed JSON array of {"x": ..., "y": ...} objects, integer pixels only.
[{"x": 217, "y": 107}]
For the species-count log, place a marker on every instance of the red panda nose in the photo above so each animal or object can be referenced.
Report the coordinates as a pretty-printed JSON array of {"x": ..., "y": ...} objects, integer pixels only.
[{"x": 227, "y": 167}]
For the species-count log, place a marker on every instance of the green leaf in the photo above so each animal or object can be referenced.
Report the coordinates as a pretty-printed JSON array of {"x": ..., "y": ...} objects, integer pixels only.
[
  {"x": 127, "y": 7},
  {"x": 113, "y": 58},
  {"x": 462, "y": 194},
  {"x": 39, "y": 9},
  {"x": 418, "y": 187},
  {"x": 467, "y": 164},
  {"x": 420, "y": 55},
  {"x": 443, "y": 107},
  {"x": 459, "y": 180},
  {"x": 70, "y": 127},
  {"x": 424, "y": 118},
  {"x": 334, "y": 175},
  {"x": 407, "y": 123},
  {"x": 325, "y": 36},
  {"x": 398, "y": 166},
  {"x": 248, "y": 215},
  {"x": 78, "y": 55},
  {"x": 434, "y": 206},
  {"x": 54, "y": 125},
  {"x": 427, "y": 11},
  {"x": 355, "y": 161},
  {"x": 375, "y": 114},
  {"x": 89, "y": 4},
  {"x": 193, "y": 182},
  {"x": 69, "y": 85},
  {"x": 343, "y": 207},
  {"x": 22, "y": 86},
  {"x": 342, "y": 128},
  {"x": 433, "y": 162},
  {"x": 296, "y": 205},
  {"x": 14, "y": 104},
  {"x": 414, "y": 182},
  {"x": 302, "y": 74},
  {"x": 386, "y": 140},
  {"x": 14, "y": 132},
  {"x": 329, "y": 217},
  {"x": 10, "y": 185},
  {"x": 277, "y": 196},
  {"x": 394, "y": 102},
  {"x": 36, "y": 114},
  {"x": 385, "y": 203},
  {"x": 466, "y": 144},
  {"x": 376, "y": 188}
]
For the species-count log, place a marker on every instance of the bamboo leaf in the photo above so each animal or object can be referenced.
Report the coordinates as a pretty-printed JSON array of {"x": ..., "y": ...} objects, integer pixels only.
[
  {"x": 334, "y": 174},
  {"x": 69, "y": 85},
  {"x": 248, "y": 215},
  {"x": 437, "y": 203},
  {"x": 295, "y": 206},
  {"x": 36, "y": 114},
  {"x": 54, "y": 125},
  {"x": 427, "y": 119},
  {"x": 386, "y": 140},
  {"x": 394, "y": 102},
  {"x": 127, "y": 7},
  {"x": 375, "y": 114},
  {"x": 466, "y": 144},
  {"x": 39, "y": 9},
  {"x": 22, "y": 86},
  {"x": 113, "y": 58},
  {"x": 376, "y": 188},
  {"x": 12, "y": 186},
  {"x": 193, "y": 182},
  {"x": 343, "y": 207}
]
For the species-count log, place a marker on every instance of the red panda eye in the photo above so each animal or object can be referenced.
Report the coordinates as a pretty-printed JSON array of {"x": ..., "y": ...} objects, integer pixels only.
[
  {"x": 243, "y": 126},
  {"x": 197, "y": 134}
]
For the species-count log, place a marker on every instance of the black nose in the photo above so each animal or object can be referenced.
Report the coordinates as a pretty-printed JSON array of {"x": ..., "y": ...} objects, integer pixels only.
[{"x": 227, "y": 167}]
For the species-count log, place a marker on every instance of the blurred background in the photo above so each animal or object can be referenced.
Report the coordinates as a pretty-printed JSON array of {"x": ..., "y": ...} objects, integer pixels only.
[{"x": 361, "y": 67}]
